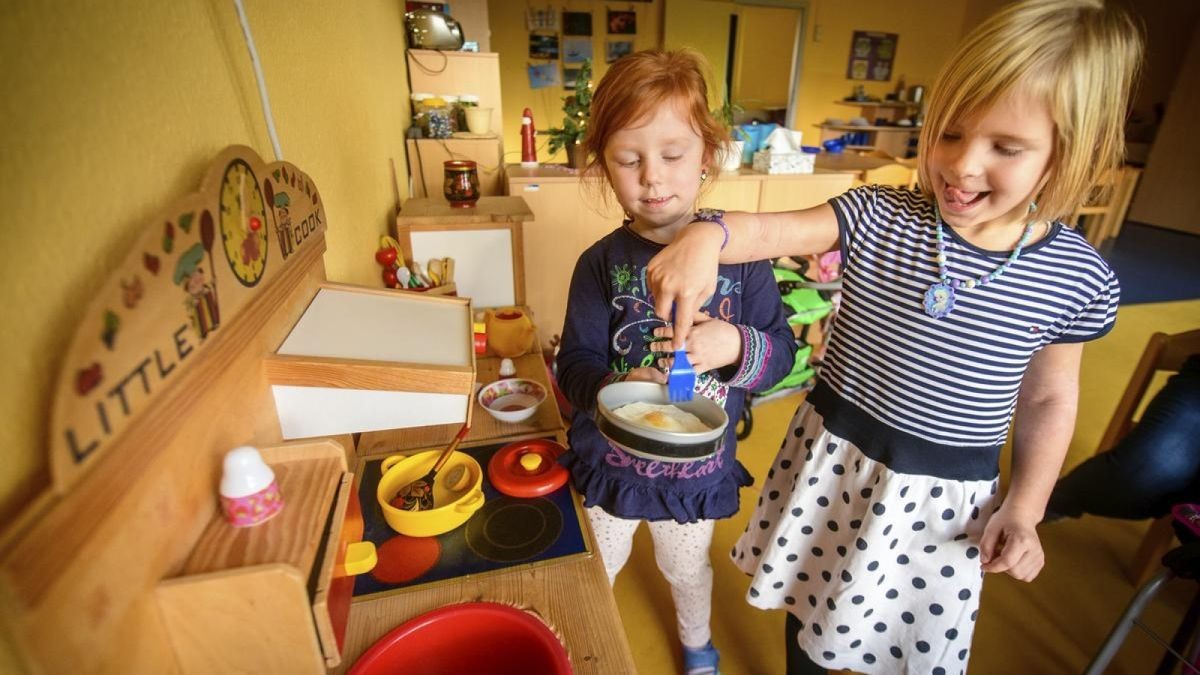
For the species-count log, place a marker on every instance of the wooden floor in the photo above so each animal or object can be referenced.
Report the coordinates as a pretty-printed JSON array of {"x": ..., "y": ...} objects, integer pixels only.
[{"x": 1053, "y": 625}]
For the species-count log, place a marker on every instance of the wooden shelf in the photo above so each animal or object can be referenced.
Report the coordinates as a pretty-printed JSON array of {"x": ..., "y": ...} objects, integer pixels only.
[
  {"x": 259, "y": 598},
  {"x": 307, "y": 475},
  {"x": 869, "y": 127},
  {"x": 547, "y": 420},
  {"x": 879, "y": 104}
]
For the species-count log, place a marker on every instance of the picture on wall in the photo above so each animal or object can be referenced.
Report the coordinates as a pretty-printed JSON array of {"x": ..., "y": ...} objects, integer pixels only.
[
  {"x": 544, "y": 75},
  {"x": 577, "y": 23},
  {"x": 431, "y": 6},
  {"x": 622, "y": 22},
  {"x": 871, "y": 55},
  {"x": 543, "y": 46},
  {"x": 570, "y": 77},
  {"x": 541, "y": 19},
  {"x": 576, "y": 49},
  {"x": 615, "y": 49}
]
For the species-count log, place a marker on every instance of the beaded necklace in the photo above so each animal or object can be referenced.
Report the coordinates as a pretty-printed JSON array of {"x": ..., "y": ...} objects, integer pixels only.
[{"x": 939, "y": 299}]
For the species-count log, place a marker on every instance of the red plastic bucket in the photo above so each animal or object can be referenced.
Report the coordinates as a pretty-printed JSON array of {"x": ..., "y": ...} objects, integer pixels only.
[{"x": 482, "y": 638}]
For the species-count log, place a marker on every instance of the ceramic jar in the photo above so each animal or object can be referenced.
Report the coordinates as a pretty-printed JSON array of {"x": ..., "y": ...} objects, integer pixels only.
[{"x": 461, "y": 187}]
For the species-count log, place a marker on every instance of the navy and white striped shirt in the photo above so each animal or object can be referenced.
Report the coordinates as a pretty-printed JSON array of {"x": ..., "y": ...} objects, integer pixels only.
[{"x": 950, "y": 382}]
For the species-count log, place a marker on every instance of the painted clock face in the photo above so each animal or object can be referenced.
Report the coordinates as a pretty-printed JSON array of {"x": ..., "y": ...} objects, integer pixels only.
[{"x": 243, "y": 223}]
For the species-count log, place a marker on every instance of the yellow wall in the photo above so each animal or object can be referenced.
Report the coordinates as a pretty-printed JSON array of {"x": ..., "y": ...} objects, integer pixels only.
[
  {"x": 928, "y": 30},
  {"x": 510, "y": 38},
  {"x": 704, "y": 27},
  {"x": 112, "y": 110},
  {"x": 763, "y": 66}
]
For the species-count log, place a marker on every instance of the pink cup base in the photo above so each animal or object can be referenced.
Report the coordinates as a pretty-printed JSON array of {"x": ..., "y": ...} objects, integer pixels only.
[{"x": 253, "y": 509}]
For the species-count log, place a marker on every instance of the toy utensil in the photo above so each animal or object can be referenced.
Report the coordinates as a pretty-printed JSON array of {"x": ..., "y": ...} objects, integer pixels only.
[
  {"x": 681, "y": 381},
  {"x": 420, "y": 275},
  {"x": 434, "y": 269},
  {"x": 418, "y": 495}
]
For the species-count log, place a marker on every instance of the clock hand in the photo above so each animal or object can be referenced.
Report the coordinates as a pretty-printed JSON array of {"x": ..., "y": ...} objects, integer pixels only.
[{"x": 242, "y": 198}]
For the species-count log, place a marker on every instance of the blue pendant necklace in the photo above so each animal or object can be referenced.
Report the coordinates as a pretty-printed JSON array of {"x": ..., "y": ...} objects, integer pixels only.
[{"x": 939, "y": 299}]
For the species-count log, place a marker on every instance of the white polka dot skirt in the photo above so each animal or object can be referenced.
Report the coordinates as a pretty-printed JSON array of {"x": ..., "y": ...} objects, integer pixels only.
[{"x": 881, "y": 568}]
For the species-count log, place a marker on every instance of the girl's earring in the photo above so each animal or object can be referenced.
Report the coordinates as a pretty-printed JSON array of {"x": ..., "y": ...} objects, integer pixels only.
[
  {"x": 1032, "y": 208},
  {"x": 703, "y": 175}
]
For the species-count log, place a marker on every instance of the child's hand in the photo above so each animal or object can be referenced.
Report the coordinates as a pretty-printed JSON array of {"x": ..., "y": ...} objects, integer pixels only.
[
  {"x": 1010, "y": 544},
  {"x": 684, "y": 274},
  {"x": 711, "y": 344},
  {"x": 646, "y": 374}
]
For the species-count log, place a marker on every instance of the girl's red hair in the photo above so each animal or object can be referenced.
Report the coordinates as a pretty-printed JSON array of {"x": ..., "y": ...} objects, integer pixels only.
[{"x": 638, "y": 84}]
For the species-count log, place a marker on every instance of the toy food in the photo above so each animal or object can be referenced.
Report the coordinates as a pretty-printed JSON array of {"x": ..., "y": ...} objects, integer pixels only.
[{"x": 661, "y": 417}]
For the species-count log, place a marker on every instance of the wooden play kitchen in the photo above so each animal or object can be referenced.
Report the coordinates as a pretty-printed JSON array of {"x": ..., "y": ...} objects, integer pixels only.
[{"x": 219, "y": 330}]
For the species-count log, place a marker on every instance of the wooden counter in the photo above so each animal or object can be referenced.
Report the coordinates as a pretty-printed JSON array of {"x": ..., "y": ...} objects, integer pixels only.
[
  {"x": 569, "y": 215},
  {"x": 484, "y": 428},
  {"x": 572, "y": 595}
]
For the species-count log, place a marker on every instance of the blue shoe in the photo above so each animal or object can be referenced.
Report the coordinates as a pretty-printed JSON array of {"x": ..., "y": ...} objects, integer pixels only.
[{"x": 701, "y": 660}]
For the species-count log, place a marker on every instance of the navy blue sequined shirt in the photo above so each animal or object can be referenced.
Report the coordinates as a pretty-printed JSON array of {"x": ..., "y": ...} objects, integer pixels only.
[{"x": 607, "y": 332}]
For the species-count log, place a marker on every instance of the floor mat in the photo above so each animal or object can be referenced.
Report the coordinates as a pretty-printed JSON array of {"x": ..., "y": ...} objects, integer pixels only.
[{"x": 1155, "y": 264}]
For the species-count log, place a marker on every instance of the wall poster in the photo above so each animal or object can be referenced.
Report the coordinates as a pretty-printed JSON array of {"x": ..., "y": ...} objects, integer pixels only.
[
  {"x": 543, "y": 46},
  {"x": 577, "y": 23},
  {"x": 622, "y": 22},
  {"x": 871, "y": 55}
]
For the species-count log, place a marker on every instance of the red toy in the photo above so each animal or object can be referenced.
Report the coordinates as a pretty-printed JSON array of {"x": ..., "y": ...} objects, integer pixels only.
[{"x": 529, "y": 158}]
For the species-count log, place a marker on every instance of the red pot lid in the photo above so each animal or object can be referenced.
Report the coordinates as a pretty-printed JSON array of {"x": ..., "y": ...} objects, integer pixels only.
[{"x": 527, "y": 468}]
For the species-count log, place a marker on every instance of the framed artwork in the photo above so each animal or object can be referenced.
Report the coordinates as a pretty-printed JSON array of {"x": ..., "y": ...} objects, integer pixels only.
[
  {"x": 543, "y": 46},
  {"x": 570, "y": 77},
  {"x": 544, "y": 75},
  {"x": 432, "y": 6},
  {"x": 541, "y": 19},
  {"x": 615, "y": 49},
  {"x": 622, "y": 22},
  {"x": 577, "y": 23},
  {"x": 871, "y": 55},
  {"x": 576, "y": 49}
]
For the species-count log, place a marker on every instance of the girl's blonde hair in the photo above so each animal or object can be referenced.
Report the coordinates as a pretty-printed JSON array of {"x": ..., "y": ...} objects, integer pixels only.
[
  {"x": 1078, "y": 56},
  {"x": 635, "y": 86}
]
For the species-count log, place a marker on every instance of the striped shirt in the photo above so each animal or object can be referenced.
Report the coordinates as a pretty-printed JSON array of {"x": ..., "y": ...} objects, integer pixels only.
[{"x": 953, "y": 381}]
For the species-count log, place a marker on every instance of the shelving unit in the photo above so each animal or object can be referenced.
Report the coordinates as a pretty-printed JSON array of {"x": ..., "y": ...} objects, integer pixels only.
[
  {"x": 887, "y": 138},
  {"x": 448, "y": 72},
  {"x": 259, "y": 598}
]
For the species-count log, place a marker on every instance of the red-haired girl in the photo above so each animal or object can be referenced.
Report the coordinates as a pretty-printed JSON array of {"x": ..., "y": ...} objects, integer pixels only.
[{"x": 651, "y": 138}]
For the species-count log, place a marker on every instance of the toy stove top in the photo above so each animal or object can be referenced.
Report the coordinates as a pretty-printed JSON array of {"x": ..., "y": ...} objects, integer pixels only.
[{"x": 505, "y": 532}]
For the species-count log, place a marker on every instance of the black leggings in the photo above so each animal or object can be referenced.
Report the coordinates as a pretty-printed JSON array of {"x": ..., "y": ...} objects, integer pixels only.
[{"x": 798, "y": 662}]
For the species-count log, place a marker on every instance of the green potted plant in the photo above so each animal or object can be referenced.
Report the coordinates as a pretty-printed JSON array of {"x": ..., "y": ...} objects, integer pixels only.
[
  {"x": 730, "y": 157},
  {"x": 576, "y": 110}
]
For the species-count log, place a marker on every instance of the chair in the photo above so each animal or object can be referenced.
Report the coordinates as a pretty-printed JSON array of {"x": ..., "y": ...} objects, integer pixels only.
[
  {"x": 1100, "y": 218},
  {"x": 1163, "y": 353},
  {"x": 898, "y": 175},
  {"x": 1182, "y": 562}
]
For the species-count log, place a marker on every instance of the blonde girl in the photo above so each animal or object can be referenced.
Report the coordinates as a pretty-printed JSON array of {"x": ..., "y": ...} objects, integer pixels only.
[{"x": 965, "y": 303}]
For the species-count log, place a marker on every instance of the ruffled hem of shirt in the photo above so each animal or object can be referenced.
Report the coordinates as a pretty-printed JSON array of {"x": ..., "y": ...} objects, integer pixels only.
[{"x": 645, "y": 502}]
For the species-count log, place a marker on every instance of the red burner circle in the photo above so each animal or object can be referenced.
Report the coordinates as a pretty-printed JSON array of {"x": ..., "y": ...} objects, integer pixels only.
[{"x": 402, "y": 559}]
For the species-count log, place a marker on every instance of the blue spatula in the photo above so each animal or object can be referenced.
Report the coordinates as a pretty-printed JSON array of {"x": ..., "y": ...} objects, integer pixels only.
[{"x": 681, "y": 381}]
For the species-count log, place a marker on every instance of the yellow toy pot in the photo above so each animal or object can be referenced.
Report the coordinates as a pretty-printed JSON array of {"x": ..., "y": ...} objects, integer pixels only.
[
  {"x": 510, "y": 331},
  {"x": 457, "y": 492}
]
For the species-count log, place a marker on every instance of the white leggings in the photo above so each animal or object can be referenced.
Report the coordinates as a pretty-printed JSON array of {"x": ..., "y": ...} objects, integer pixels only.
[{"x": 681, "y": 552}]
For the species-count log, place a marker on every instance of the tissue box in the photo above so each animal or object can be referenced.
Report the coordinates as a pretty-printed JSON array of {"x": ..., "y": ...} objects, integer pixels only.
[{"x": 783, "y": 162}]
